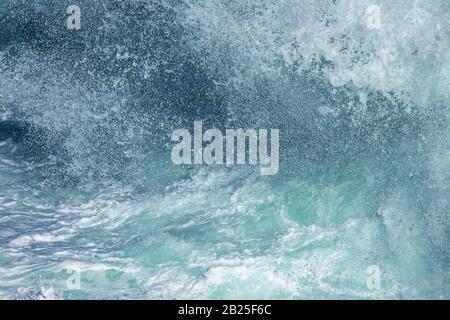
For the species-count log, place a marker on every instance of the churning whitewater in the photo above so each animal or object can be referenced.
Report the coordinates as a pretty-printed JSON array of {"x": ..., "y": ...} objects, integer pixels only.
[{"x": 92, "y": 206}]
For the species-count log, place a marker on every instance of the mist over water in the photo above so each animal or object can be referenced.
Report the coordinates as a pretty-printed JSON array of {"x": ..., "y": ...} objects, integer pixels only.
[{"x": 88, "y": 193}]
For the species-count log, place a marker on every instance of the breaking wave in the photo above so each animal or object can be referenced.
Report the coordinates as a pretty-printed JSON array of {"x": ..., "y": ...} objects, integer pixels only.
[{"x": 88, "y": 188}]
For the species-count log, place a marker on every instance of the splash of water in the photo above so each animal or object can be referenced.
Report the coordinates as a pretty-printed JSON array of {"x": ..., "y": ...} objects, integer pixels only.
[{"x": 88, "y": 189}]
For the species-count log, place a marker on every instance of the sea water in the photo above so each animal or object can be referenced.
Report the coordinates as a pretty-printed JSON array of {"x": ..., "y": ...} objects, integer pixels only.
[{"x": 91, "y": 205}]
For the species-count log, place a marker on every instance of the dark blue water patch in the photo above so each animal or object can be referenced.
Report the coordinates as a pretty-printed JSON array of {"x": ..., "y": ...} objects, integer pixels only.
[
  {"x": 178, "y": 83},
  {"x": 12, "y": 130}
]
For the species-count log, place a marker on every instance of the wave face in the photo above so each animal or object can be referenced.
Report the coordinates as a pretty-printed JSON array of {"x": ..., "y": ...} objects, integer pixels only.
[{"x": 92, "y": 207}]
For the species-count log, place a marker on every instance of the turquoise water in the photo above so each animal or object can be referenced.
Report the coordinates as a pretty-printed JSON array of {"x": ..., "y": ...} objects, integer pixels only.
[{"x": 92, "y": 207}]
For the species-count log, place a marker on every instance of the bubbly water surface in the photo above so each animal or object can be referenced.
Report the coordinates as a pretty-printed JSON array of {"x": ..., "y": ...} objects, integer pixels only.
[{"x": 92, "y": 207}]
